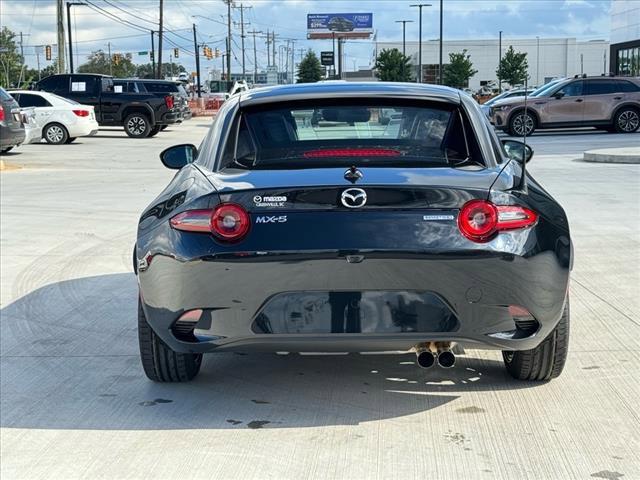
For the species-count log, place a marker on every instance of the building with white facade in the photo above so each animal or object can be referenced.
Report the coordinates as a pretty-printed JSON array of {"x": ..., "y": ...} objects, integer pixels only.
[
  {"x": 547, "y": 57},
  {"x": 625, "y": 37}
]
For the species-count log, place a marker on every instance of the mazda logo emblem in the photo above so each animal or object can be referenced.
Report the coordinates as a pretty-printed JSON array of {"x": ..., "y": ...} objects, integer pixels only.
[{"x": 353, "y": 198}]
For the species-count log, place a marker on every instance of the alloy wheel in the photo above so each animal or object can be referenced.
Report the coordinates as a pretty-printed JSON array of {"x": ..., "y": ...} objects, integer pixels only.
[
  {"x": 55, "y": 134},
  {"x": 136, "y": 125},
  {"x": 523, "y": 124},
  {"x": 628, "y": 121}
]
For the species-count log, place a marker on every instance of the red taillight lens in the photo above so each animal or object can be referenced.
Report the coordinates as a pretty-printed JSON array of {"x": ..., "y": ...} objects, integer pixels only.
[
  {"x": 352, "y": 152},
  {"x": 1, "y": 113},
  {"x": 169, "y": 101},
  {"x": 479, "y": 220},
  {"x": 229, "y": 221},
  {"x": 81, "y": 113}
]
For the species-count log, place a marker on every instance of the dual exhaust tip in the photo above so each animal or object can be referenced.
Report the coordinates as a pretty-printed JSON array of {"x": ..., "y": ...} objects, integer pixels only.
[{"x": 428, "y": 354}]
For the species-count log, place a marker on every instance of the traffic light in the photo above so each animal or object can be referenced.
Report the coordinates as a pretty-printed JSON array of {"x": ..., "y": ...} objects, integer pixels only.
[
  {"x": 47, "y": 52},
  {"x": 116, "y": 58},
  {"x": 176, "y": 52},
  {"x": 217, "y": 53}
]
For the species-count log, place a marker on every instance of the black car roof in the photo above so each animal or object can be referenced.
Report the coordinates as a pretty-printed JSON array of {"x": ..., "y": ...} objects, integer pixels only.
[{"x": 338, "y": 89}]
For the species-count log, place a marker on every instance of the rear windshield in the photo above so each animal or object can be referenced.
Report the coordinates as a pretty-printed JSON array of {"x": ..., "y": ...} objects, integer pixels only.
[
  {"x": 322, "y": 135},
  {"x": 161, "y": 87}
]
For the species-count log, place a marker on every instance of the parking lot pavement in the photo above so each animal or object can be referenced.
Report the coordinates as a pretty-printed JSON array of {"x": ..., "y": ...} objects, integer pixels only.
[{"x": 75, "y": 402}]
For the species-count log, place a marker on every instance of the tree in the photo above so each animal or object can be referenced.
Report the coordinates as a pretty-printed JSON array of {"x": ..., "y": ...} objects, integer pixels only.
[
  {"x": 393, "y": 66},
  {"x": 309, "y": 69},
  {"x": 459, "y": 70},
  {"x": 99, "y": 63},
  {"x": 10, "y": 59},
  {"x": 145, "y": 70},
  {"x": 513, "y": 67}
]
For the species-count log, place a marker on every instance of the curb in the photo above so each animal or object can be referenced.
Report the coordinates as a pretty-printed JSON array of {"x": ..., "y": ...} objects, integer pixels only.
[{"x": 613, "y": 155}]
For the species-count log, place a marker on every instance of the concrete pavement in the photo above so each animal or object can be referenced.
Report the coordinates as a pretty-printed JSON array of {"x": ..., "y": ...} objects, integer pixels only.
[{"x": 75, "y": 402}]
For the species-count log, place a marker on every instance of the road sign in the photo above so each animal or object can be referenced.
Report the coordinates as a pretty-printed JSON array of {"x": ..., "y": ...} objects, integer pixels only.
[
  {"x": 326, "y": 58},
  {"x": 143, "y": 53}
]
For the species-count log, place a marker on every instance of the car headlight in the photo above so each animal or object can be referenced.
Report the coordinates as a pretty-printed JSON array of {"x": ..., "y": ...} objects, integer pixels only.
[{"x": 504, "y": 108}]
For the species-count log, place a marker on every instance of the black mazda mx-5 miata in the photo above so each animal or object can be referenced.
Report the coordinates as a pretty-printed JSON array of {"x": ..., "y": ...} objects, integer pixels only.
[{"x": 305, "y": 223}]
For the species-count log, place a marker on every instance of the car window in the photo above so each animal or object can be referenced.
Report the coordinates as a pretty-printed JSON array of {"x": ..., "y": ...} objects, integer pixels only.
[
  {"x": 32, "y": 100},
  {"x": 56, "y": 84},
  {"x": 84, "y": 85},
  {"x": 573, "y": 89},
  {"x": 330, "y": 133},
  {"x": 627, "y": 87},
  {"x": 600, "y": 87},
  {"x": 4, "y": 95},
  {"x": 546, "y": 89},
  {"x": 161, "y": 87}
]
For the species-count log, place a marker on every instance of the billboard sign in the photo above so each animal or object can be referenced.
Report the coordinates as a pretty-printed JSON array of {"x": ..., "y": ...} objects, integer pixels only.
[{"x": 339, "y": 25}]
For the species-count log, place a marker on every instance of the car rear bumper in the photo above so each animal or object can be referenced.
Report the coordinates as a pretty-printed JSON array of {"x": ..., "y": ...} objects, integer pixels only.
[
  {"x": 467, "y": 298},
  {"x": 169, "y": 118},
  {"x": 11, "y": 136}
]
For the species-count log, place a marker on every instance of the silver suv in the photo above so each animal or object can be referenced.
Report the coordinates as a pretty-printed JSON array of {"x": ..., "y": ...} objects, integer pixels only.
[{"x": 610, "y": 103}]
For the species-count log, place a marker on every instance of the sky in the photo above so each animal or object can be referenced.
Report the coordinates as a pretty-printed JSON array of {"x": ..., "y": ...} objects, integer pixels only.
[{"x": 463, "y": 19}]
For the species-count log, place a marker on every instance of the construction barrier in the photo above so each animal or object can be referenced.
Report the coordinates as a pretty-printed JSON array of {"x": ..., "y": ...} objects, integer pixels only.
[{"x": 205, "y": 107}]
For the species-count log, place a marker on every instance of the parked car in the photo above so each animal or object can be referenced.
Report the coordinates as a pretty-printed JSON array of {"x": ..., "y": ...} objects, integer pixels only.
[
  {"x": 11, "y": 128},
  {"x": 278, "y": 235},
  {"x": 516, "y": 92},
  {"x": 610, "y": 103},
  {"x": 32, "y": 130},
  {"x": 138, "y": 85},
  {"x": 141, "y": 114},
  {"x": 60, "y": 119}
]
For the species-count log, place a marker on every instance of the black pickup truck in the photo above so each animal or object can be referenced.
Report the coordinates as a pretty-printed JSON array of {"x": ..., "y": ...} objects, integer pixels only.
[{"x": 142, "y": 114}]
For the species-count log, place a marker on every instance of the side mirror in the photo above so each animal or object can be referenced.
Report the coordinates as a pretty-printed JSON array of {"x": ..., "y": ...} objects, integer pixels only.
[
  {"x": 558, "y": 95},
  {"x": 178, "y": 156},
  {"x": 518, "y": 151}
]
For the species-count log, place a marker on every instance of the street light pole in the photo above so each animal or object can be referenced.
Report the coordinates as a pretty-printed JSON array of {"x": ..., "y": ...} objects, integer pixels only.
[
  {"x": 440, "y": 66},
  {"x": 537, "y": 61},
  {"x": 404, "y": 28},
  {"x": 420, "y": 5},
  {"x": 499, "y": 62},
  {"x": 69, "y": 5}
]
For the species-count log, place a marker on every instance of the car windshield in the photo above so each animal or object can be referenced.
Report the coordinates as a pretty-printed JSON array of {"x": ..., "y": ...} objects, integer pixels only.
[
  {"x": 544, "y": 90},
  {"x": 62, "y": 99},
  {"x": 327, "y": 134}
]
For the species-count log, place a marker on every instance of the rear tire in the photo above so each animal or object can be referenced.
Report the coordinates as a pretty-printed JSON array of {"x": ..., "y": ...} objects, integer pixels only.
[
  {"x": 137, "y": 125},
  {"x": 160, "y": 363},
  {"x": 547, "y": 360},
  {"x": 154, "y": 131},
  {"x": 163, "y": 127},
  {"x": 55, "y": 134},
  {"x": 627, "y": 120},
  {"x": 521, "y": 124}
]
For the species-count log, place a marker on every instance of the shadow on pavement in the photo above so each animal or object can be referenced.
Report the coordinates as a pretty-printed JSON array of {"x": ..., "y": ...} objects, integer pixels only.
[{"x": 70, "y": 361}]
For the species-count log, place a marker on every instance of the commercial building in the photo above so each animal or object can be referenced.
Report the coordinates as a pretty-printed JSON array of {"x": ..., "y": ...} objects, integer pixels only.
[
  {"x": 547, "y": 57},
  {"x": 625, "y": 37}
]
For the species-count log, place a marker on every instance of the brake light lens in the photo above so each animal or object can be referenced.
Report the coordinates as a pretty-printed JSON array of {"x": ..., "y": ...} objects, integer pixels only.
[
  {"x": 81, "y": 113},
  {"x": 169, "y": 101},
  {"x": 1, "y": 113},
  {"x": 229, "y": 222},
  {"x": 480, "y": 220},
  {"x": 352, "y": 152}
]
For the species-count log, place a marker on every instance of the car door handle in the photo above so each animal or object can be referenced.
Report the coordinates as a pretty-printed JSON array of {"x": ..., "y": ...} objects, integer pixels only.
[
  {"x": 617, "y": 98},
  {"x": 578, "y": 100}
]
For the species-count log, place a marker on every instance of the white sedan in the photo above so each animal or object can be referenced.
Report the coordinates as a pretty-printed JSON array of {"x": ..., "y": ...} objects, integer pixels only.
[{"x": 61, "y": 119}]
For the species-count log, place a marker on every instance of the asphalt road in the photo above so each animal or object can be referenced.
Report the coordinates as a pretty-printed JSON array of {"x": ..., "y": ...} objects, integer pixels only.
[{"x": 75, "y": 402}]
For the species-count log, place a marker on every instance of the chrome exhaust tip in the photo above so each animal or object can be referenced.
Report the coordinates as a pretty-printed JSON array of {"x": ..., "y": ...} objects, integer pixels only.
[
  {"x": 446, "y": 358},
  {"x": 425, "y": 358}
]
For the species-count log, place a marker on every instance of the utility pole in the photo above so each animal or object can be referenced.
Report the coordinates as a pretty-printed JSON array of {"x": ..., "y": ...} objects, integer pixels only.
[
  {"x": 228, "y": 2},
  {"x": 340, "y": 58},
  {"x": 160, "y": 41},
  {"x": 268, "y": 42},
  {"x": 420, "y": 5},
  {"x": 153, "y": 55},
  {"x": 37, "y": 49},
  {"x": 69, "y": 5},
  {"x": 242, "y": 8},
  {"x": 255, "y": 56},
  {"x": 333, "y": 67},
  {"x": 404, "y": 37},
  {"x": 273, "y": 50},
  {"x": 22, "y": 56},
  {"x": 197, "y": 51},
  {"x": 293, "y": 61},
  {"x": 537, "y": 61},
  {"x": 60, "y": 24},
  {"x": 110, "y": 62},
  {"x": 440, "y": 66},
  {"x": 499, "y": 62}
]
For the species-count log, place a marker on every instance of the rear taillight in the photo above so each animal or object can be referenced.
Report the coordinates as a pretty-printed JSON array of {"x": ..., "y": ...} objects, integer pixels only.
[
  {"x": 228, "y": 221},
  {"x": 1, "y": 113},
  {"x": 169, "y": 101},
  {"x": 480, "y": 220},
  {"x": 81, "y": 113},
  {"x": 352, "y": 152}
]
